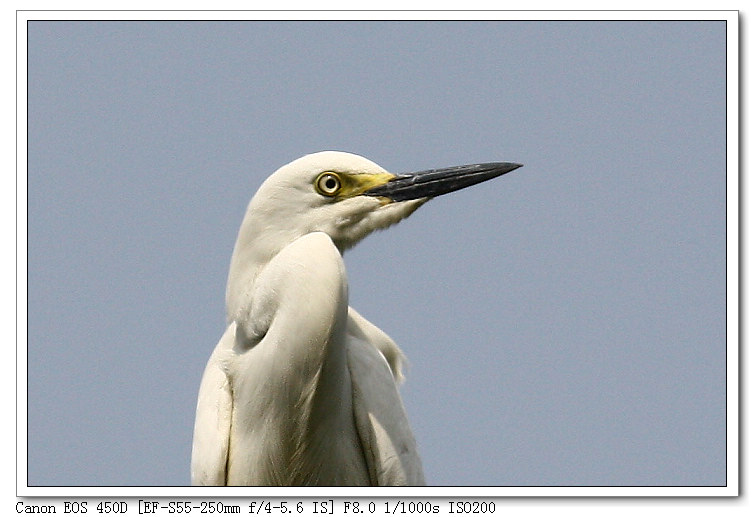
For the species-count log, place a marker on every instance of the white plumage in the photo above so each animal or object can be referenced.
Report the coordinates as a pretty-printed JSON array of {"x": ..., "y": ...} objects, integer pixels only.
[{"x": 301, "y": 389}]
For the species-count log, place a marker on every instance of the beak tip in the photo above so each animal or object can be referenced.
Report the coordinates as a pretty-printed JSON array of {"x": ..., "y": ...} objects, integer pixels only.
[{"x": 510, "y": 166}]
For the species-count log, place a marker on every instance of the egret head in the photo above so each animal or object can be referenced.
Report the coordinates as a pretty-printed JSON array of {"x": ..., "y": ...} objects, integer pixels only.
[
  {"x": 343, "y": 195},
  {"x": 325, "y": 192}
]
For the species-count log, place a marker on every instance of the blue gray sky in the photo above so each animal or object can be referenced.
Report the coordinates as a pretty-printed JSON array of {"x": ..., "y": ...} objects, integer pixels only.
[{"x": 565, "y": 324}]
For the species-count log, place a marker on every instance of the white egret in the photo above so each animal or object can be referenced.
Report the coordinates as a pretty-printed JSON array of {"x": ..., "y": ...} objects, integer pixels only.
[{"x": 301, "y": 389}]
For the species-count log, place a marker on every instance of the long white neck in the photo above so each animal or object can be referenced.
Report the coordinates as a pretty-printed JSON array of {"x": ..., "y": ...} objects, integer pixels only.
[{"x": 255, "y": 246}]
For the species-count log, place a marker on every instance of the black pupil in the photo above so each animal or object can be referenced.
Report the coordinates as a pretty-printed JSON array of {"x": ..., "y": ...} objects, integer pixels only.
[{"x": 330, "y": 183}]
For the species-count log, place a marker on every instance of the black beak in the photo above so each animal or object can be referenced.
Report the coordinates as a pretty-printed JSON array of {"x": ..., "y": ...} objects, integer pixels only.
[{"x": 436, "y": 182}]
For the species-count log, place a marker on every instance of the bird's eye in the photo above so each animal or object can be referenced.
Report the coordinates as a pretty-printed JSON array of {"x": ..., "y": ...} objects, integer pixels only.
[{"x": 328, "y": 184}]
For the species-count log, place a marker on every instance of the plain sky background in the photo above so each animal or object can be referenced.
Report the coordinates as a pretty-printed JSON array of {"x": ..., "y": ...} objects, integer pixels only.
[{"x": 565, "y": 323}]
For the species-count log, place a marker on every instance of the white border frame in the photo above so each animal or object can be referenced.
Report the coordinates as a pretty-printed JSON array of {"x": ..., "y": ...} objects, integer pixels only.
[{"x": 732, "y": 267}]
